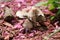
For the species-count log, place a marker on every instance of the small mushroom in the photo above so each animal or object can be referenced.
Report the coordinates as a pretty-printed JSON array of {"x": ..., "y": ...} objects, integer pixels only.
[
  {"x": 21, "y": 14},
  {"x": 27, "y": 25},
  {"x": 8, "y": 12},
  {"x": 38, "y": 14},
  {"x": 8, "y": 15}
]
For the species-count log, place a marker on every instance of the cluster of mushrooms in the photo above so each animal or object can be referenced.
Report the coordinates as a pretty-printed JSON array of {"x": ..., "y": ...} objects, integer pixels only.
[{"x": 33, "y": 16}]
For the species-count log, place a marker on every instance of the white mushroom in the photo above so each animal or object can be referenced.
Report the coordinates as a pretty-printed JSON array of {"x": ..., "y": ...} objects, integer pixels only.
[
  {"x": 33, "y": 12},
  {"x": 32, "y": 16},
  {"x": 27, "y": 25},
  {"x": 21, "y": 14},
  {"x": 8, "y": 12}
]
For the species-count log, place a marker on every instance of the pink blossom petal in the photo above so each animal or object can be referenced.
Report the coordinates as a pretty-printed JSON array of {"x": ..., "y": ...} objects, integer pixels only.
[
  {"x": 31, "y": 34},
  {"x": 1, "y": 14},
  {"x": 19, "y": 5},
  {"x": 21, "y": 29},
  {"x": 19, "y": 0},
  {"x": 23, "y": 36},
  {"x": 18, "y": 25},
  {"x": 21, "y": 21},
  {"x": 2, "y": 5}
]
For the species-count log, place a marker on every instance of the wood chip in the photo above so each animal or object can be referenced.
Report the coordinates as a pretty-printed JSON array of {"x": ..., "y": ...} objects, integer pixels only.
[{"x": 8, "y": 24}]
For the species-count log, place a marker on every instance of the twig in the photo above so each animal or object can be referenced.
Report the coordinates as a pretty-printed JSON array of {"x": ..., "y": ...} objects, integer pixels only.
[{"x": 55, "y": 31}]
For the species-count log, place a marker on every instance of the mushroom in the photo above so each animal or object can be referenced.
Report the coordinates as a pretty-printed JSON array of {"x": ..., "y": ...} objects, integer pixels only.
[
  {"x": 8, "y": 12},
  {"x": 32, "y": 14},
  {"x": 27, "y": 25},
  {"x": 21, "y": 14},
  {"x": 8, "y": 15},
  {"x": 32, "y": 17}
]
